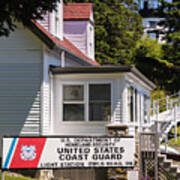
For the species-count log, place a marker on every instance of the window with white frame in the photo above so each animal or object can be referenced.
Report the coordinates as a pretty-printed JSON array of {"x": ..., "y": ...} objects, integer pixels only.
[
  {"x": 73, "y": 103},
  {"x": 99, "y": 102},
  {"x": 134, "y": 104},
  {"x": 90, "y": 103}
]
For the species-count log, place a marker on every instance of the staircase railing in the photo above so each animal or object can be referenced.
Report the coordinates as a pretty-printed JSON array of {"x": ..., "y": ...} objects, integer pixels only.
[
  {"x": 170, "y": 106},
  {"x": 164, "y": 104},
  {"x": 148, "y": 155},
  {"x": 153, "y": 165}
]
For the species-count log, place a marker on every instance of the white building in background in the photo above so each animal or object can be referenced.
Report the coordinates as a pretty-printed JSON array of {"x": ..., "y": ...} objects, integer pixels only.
[
  {"x": 151, "y": 19},
  {"x": 152, "y": 28}
]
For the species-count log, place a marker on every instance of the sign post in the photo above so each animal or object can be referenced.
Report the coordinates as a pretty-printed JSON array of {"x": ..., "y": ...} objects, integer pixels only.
[{"x": 67, "y": 152}]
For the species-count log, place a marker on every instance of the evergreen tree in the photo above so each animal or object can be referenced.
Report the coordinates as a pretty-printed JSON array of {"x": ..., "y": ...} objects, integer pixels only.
[
  {"x": 171, "y": 24},
  {"x": 118, "y": 27},
  {"x": 22, "y": 11}
]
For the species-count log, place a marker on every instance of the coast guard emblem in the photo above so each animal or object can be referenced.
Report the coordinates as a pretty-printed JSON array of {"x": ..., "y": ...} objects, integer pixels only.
[{"x": 28, "y": 152}]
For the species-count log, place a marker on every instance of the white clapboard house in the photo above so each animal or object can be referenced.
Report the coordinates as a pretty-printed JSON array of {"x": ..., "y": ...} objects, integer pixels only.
[{"x": 51, "y": 83}]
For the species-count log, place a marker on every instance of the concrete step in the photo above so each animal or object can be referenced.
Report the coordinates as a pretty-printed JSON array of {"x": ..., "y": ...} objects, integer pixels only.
[
  {"x": 178, "y": 176},
  {"x": 165, "y": 165},
  {"x": 168, "y": 166},
  {"x": 161, "y": 158}
]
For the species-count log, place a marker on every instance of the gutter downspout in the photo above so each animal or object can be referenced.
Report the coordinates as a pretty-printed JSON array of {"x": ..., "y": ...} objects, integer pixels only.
[{"x": 63, "y": 61}]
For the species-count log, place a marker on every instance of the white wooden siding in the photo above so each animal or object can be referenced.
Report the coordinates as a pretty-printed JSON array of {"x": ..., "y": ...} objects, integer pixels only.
[
  {"x": 125, "y": 114},
  {"x": 76, "y": 32},
  {"x": 20, "y": 39},
  {"x": 79, "y": 40},
  {"x": 80, "y": 129},
  {"x": 20, "y": 81},
  {"x": 118, "y": 108},
  {"x": 19, "y": 94},
  {"x": 74, "y": 61},
  {"x": 49, "y": 59},
  {"x": 90, "y": 41}
]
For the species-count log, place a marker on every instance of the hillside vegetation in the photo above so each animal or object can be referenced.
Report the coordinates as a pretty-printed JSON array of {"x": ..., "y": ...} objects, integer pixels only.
[{"x": 120, "y": 40}]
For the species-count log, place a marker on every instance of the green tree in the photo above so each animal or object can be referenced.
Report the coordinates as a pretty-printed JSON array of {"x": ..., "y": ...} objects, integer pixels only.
[
  {"x": 171, "y": 12},
  {"x": 147, "y": 47},
  {"x": 118, "y": 27},
  {"x": 150, "y": 59},
  {"x": 22, "y": 11}
]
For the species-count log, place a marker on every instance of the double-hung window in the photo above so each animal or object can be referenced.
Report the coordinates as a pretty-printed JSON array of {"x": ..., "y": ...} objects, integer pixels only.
[
  {"x": 87, "y": 102},
  {"x": 99, "y": 102},
  {"x": 73, "y": 103}
]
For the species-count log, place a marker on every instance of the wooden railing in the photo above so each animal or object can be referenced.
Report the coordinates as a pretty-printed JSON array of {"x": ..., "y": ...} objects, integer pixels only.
[{"x": 149, "y": 151}]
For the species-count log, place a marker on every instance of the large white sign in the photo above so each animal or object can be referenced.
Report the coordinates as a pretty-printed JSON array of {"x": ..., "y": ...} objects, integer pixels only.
[{"x": 68, "y": 152}]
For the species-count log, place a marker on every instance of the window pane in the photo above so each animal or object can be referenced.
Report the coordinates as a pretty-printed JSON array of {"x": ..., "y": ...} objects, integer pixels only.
[
  {"x": 152, "y": 24},
  {"x": 99, "y": 102},
  {"x": 100, "y": 92},
  {"x": 73, "y": 92},
  {"x": 73, "y": 112},
  {"x": 131, "y": 104},
  {"x": 99, "y": 111},
  {"x": 153, "y": 35}
]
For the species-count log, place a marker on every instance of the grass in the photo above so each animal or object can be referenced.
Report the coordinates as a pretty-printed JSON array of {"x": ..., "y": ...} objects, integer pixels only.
[
  {"x": 178, "y": 130},
  {"x": 16, "y": 178},
  {"x": 175, "y": 142},
  {"x": 172, "y": 140}
]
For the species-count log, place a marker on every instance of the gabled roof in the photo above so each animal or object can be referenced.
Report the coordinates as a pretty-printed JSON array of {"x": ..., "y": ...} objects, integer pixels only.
[
  {"x": 77, "y": 11},
  {"x": 53, "y": 42}
]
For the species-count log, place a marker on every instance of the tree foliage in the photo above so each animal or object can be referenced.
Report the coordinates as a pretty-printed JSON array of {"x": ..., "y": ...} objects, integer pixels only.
[
  {"x": 150, "y": 59},
  {"x": 147, "y": 47},
  {"x": 22, "y": 11},
  {"x": 171, "y": 24},
  {"x": 119, "y": 40},
  {"x": 118, "y": 27}
]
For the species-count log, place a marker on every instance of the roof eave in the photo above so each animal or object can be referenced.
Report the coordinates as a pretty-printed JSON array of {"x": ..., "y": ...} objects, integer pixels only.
[
  {"x": 101, "y": 70},
  {"x": 51, "y": 44},
  {"x": 136, "y": 72}
]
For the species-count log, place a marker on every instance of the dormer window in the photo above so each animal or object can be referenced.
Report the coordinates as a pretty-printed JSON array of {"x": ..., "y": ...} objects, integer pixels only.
[{"x": 79, "y": 27}]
